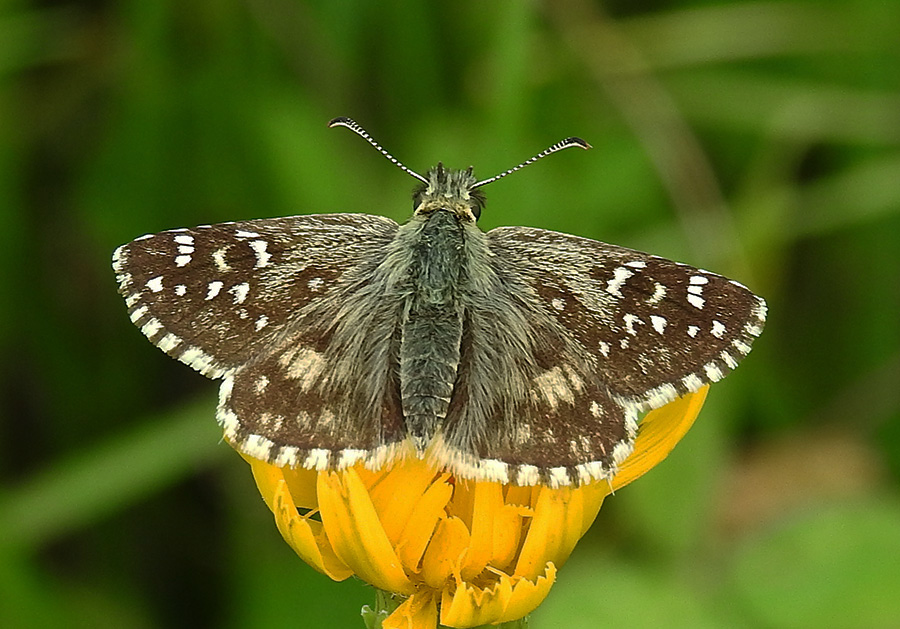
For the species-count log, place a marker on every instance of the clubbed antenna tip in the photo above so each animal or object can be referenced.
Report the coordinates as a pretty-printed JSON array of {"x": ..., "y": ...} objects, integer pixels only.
[
  {"x": 351, "y": 124},
  {"x": 562, "y": 144}
]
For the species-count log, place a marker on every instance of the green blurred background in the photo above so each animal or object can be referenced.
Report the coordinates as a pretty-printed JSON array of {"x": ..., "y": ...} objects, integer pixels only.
[{"x": 758, "y": 139}]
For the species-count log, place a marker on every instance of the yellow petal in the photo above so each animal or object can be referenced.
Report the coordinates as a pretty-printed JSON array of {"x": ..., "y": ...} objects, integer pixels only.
[
  {"x": 419, "y": 611},
  {"x": 572, "y": 526},
  {"x": 488, "y": 501},
  {"x": 305, "y": 537},
  {"x": 463, "y": 503},
  {"x": 471, "y": 606},
  {"x": 266, "y": 476},
  {"x": 660, "y": 430},
  {"x": 555, "y": 529},
  {"x": 429, "y": 509},
  {"x": 508, "y": 527},
  {"x": 396, "y": 494},
  {"x": 527, "y": 595},
  {"x": 509, "y": 599},
  {"x": 592, "y": 496},
  {"x": 445, "y": 552},
  {"x": 356, "y": 534},
  {"x": 521, "y": 495},
  {"x": 302, "y": 483}
]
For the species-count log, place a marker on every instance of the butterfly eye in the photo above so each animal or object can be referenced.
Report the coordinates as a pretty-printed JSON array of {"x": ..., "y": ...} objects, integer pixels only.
[
  {"x": 418, "y": 195},
  {"x": 476, "y": 203}
]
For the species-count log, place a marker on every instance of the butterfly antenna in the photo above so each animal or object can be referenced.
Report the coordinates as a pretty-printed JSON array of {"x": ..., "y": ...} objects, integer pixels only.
[
  {"x": 358, "y": 130},
  {"x": 562, "y": 144}
]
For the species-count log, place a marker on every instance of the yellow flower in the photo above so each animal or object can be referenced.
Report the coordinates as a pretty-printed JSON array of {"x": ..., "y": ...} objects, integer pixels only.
[{"x": 465, "y": 553}]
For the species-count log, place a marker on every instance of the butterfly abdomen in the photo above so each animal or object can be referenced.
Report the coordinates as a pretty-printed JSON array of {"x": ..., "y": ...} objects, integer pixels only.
[{"x": 432, "y": 326}]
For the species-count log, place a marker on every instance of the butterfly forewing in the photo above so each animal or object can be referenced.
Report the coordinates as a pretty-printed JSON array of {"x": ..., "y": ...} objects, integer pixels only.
[
  {"x": 652, "y": 329},
  {"x": 215, "y": 296}
]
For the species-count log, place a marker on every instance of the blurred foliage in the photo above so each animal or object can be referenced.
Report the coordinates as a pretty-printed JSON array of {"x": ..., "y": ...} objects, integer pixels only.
[{"x": 759, "y": 139}]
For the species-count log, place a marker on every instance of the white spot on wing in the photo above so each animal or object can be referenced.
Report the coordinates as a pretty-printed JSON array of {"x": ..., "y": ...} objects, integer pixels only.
[
  {"x": 692, "y": 382},
  {"x": 349, "y": 457},
  {"x": 240, "y": 292},
  {"x": 558, "y": 304},
  {"x": 218, "y": 257},
  {"x": 661, "y": 395},
  {"x": 494, "y": 470},
  {"x": 287, "y": 457},
  {"x": 659, "y": 323},
  {"x": 630, "y": 320},
  {"x": 262, "y": 322},
  {"x": 620, "y": 275},
  {"x": 213, "y": 289},
  {"x": 305, "y": 365},
  {"x": 168, "y": 342},
  {"x": 262, "y": 256},
  {"x": 317, "y": 459},
  {"x": 718, "y": 329},
  {"x": 528, "y": 475},
  {"x": 202, "y": 362},
  {"x": 741, "y": 346},
  {"x": 137, "y": 314},
  {"x": 182, "y": 260},
  {"x": 695, "y": 301},
  {"x": 713, "y": 372},
  {"x": 257, "y": 447},
  {"x": 185, "y": 239},
  {"x": 181, "y": 290},
  {"x": 659, "y": 291},
  {"x": 151, "y": 328},
  {"x": 729, "y": 360},
  {"x": 692, "y": 331},
  {"x": 228, "y": 420},
  {"x": 559, "y": 477},
  {"x": 554, "y": 387},
  {"x": 621, "y": 451},
  {"x": 155, "y": 284},
  {"x": 315, "y": 283}
]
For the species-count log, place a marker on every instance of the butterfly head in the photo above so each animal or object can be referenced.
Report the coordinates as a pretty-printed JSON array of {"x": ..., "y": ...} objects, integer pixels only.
[{"x": 449, "y": 190}]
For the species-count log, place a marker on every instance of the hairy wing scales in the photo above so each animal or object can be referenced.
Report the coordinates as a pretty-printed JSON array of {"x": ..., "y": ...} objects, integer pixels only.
[
  {"x": 654, "y": 329},
  {"x": 259, "y": 303},
  {"x": 214, "y": 295},
  {"x": 610, "y": 332}
]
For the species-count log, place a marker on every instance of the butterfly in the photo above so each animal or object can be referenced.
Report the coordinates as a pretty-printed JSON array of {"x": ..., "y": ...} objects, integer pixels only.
[{"x": 517, "y": 355}]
